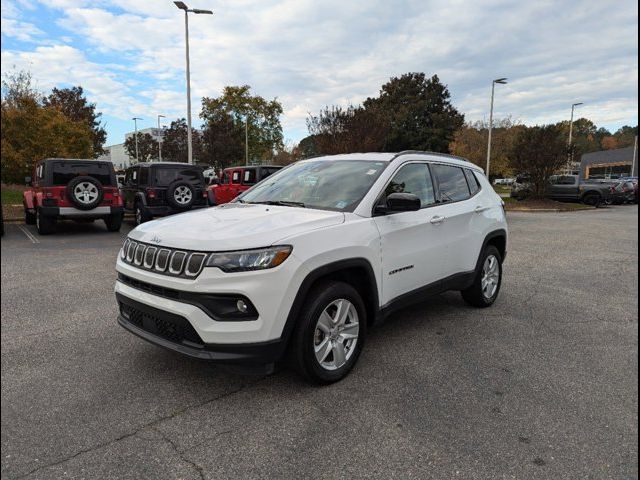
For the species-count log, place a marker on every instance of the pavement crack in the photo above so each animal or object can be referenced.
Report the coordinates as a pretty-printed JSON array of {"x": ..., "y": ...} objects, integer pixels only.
[
  {"x": 180, "y": 453},
  {"x": 151, "y": 424}
]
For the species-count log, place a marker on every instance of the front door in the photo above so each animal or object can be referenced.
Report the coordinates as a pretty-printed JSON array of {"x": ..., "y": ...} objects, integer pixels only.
[
  {"x": 412, "y": 243},
  {"x": 130, "y": 187}
]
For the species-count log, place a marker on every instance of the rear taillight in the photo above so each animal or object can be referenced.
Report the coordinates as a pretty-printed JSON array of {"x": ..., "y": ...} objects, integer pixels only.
[{"x": 151, "y": 193}]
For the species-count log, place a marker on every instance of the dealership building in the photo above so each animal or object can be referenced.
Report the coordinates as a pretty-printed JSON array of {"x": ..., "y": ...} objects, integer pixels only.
[
  {"x": 117, "y": 154},
  {"x": 607, "y": 164}
]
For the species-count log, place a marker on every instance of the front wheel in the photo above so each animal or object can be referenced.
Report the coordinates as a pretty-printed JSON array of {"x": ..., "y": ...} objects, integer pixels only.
[
  {"x": 330, "y": 333},
  {"x": 592, "y": 199},
  {"x": 141, "y": 215},
  {"x": 486, "y": 284}
]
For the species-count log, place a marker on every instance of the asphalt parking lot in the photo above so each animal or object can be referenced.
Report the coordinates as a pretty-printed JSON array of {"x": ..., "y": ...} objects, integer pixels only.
[{"x": 542, "y": 385}]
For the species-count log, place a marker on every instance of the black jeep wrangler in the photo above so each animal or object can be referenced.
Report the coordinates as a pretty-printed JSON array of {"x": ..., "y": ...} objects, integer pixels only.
[{"x": 162, "y": 188}]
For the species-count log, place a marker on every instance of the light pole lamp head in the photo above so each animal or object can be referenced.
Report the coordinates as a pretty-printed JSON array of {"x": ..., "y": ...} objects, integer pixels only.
[
  {"x": 181, "y": 6},
  {"x": 199, "y": 11},
  {"x": 501, "y": 81},
  {"x": 576, "y": 104}
]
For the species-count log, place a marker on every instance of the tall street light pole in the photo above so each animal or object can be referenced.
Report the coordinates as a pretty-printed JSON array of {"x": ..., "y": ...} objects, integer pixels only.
[
  {"x": 501, "y": 81},
  {"x": 160, "y": 139},
  {"x": 197, "y": 11},
  {"x": 570, "y": 150},
  {"x": 135, "y": 124},
  {"x": 246, "y": 139}
]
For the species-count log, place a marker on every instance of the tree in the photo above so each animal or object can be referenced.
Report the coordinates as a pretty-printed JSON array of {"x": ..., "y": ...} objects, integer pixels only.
[
  {"x": 609, "y": 143},
  {"x": 74, "y": 105},
  {"x": 470, "y": 142},
  {"x": 352, "y": 129},
  {"x": 236, "y": 106},
  {"x": 31, "y": 131},
  {"x": 626, "y": 136},
  {"x": 147, "y": 147},
  {"x": 223, "y": 142},
  {"x": 539, "y": 152},
  {"x": 174, "y": 143},
  {"x": 419, "y": 112}
]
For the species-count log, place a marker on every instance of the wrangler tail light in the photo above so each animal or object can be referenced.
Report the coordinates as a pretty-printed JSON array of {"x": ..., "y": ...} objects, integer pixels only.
[{"x": 151, "y": 193}]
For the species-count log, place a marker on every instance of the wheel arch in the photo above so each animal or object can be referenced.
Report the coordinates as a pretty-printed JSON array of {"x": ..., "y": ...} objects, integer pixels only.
[
  {"x": 357, "y": 272},
  {"x": 497, "y": 238}
]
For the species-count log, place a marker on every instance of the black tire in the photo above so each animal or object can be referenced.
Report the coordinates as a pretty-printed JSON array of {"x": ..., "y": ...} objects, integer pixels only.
[
  {"x": 304, "y": 337},
  {"x": 474, "y": 295},
  {"x": 113, "y": 222},
  {"x": 140, "y": 214},
  {"x": 29, "y": 217},
  {"x": 181, "y": 195},
  {"x": 45, "y": 225},
  {"x": 93, "y": 189},
  {"x": 593, "y": 199}
]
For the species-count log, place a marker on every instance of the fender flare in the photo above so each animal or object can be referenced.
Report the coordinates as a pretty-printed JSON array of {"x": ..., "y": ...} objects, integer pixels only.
[
  {"x": 500, "y": 233},
  {"x": 28, "y": 199},
  {"x": 320, "y": 272},
  {"x": 140, "y": 198}
]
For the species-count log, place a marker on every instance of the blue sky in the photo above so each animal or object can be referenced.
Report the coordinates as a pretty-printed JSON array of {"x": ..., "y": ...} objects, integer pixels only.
[{"x": 129, "y": 54}]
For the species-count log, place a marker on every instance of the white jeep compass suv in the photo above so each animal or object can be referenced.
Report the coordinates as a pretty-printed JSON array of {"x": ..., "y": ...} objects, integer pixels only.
[{"x": 307, "y": 260}]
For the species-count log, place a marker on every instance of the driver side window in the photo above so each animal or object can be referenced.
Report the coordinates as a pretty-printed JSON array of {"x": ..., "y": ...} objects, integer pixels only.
[{"x": 413, "y": 178}]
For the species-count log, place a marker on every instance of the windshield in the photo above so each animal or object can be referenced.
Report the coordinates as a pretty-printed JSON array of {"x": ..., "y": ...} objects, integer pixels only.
[{"x": 336, "y": 185}]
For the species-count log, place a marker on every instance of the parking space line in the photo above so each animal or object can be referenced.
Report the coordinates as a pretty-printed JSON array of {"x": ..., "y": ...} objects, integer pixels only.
[{"x": 28, "y": 234}]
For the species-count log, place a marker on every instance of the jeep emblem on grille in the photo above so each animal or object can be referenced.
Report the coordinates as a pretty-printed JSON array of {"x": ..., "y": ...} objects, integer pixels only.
[{"x": 156, "y": 239}]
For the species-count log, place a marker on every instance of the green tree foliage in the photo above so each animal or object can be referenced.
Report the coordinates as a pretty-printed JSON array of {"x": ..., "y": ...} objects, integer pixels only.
[
  {"x": 147, "y": 147},
  {"x": 74, "y": 105},
  {"x": 174, "y": 143},
  {"x": 32, "y": 131},
  {"x": 419, "y": 113},
  {"x": 625, "y": 136},
  {"x": 539, "y": 152},
  {"x": 470, "y": 142},
  {"x": 224, "y": 123}
]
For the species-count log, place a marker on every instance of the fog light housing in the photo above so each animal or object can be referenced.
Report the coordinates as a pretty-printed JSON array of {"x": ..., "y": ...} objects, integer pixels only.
[{"x": 242, "y": 306}]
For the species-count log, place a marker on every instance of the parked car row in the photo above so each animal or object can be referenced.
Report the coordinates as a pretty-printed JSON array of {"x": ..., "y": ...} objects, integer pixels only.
[
  {"x": 85, "y": 190},
  {"x": 570, "y": 188}
]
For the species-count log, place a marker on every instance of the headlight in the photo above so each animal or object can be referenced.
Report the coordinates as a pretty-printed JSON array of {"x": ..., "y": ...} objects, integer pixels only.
[{"x": 241, "y": 261}]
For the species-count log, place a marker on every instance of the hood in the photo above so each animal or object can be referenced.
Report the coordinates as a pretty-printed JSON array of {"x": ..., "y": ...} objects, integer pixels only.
[{"x": 233, "y": 226}]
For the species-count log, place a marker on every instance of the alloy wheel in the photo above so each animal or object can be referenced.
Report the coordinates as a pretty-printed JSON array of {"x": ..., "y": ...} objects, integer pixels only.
[
  {"x": 336, "y": 334},
  {"x": 182, "y": 195},
  {"x": 490, "y": 276},
  {"x": 85, "y": 192}
]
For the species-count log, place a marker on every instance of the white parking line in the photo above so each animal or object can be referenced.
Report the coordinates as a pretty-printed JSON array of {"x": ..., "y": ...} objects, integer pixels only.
[{"x": 28, "y": 234}]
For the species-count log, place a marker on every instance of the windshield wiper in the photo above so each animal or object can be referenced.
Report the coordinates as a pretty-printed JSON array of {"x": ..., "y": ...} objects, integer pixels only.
[{"x": 282, "y": 203}]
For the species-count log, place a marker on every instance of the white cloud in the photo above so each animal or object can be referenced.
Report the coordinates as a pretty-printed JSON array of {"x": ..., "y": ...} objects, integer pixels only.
[{"x": 310, "y": 54}]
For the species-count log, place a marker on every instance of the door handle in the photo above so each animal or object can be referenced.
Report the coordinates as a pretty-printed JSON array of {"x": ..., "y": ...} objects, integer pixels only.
[
  {"x": 480, "y": 209},
  {"x": 437, "y": 220}
]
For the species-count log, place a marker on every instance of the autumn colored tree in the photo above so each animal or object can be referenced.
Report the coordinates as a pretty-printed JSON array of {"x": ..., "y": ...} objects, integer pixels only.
[
  {"x": 470, "y": 142},
  {"x": 626, "y": 136},
  {"x": 75, "y": 106},
  {"x": 31, "y": 131},
  {"x": 609, "y": 143}
]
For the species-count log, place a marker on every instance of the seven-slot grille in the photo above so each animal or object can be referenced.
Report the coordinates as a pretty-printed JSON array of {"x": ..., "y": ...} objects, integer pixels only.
[{"x": 168, "y": 261}]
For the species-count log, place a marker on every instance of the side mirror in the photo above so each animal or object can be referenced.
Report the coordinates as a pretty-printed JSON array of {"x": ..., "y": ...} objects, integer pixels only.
[
  {"x": 400, "y": 202},
  {"x": 27, "y": 181}
]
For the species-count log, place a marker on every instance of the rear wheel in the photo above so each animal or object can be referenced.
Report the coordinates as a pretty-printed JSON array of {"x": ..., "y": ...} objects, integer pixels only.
[
  {"x": 141, "y": 215},
  {"x": 486, "y": 284},
  {"x": 113, "y": 222},
  {"x": 593, "y": 199},
  {"x": 330, "y": 333},
  {"x": 45, "y": 225},
  {"x": 29, "y": 217}
]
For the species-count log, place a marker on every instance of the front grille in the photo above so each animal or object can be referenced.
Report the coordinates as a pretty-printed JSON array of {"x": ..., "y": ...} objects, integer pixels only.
[
  {"x": 168, "y": 261},
  {"x": 171, "y": 327}
]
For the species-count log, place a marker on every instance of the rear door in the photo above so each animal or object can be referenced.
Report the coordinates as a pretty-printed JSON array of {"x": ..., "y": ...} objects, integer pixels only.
[
  {"x": 462, "y": 231},
  {"x": 412, "y": 246},
  {"x": 563, "y": 187}
]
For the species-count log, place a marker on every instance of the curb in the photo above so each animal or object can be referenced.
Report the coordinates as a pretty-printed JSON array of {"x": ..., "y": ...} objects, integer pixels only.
[{"x": 549, "y": 210}]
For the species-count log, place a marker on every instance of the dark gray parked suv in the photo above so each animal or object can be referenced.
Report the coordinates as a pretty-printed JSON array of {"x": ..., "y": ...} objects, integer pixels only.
[{"x": 162, "y": 188}]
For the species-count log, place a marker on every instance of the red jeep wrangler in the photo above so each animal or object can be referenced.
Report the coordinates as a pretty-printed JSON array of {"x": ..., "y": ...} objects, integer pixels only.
[
  {"x": 236, "y": 180},
  {"x": 81, "y": 190}
]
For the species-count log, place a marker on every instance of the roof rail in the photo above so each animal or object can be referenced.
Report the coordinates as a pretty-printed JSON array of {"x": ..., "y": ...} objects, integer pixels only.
[{"x": 421, "y": 152}]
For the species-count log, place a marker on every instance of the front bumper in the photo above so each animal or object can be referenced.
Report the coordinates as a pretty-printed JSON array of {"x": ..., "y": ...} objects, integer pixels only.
[
  {"x": 71, "y": 212},
  {"x": 176, "y": 333}
]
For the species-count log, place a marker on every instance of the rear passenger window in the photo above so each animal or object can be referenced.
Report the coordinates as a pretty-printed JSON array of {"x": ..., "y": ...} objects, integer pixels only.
[
  {"x": 225, "y": 178},
  {"x": 249, "y": 177},
  {"x": 452, "y": 183},
  {"x": 413, "y": 178},
  {"x": 472, "y": 180},
  {"x": 235, "y": 177}
]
